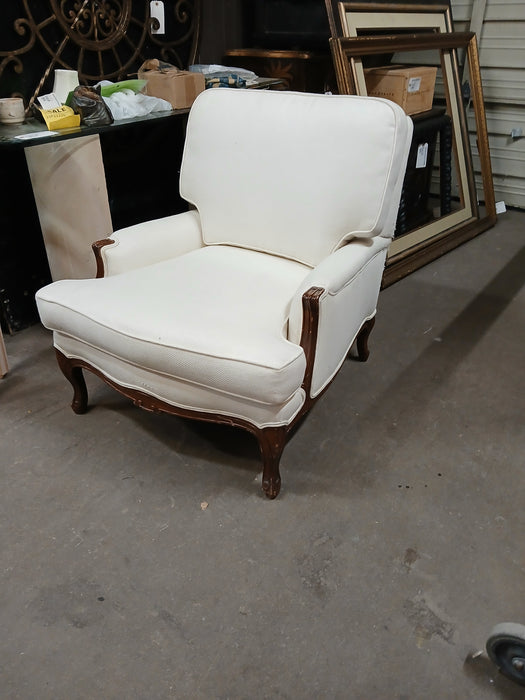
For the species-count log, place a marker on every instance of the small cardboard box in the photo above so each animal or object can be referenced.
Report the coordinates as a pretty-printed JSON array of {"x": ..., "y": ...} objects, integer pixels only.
[
  {"x": 178, "y": 87},
  {"x": 410, "y": 87}
]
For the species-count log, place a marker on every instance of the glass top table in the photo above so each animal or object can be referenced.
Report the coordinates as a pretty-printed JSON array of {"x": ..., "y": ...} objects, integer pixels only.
[{"x": 33, "y": 131}]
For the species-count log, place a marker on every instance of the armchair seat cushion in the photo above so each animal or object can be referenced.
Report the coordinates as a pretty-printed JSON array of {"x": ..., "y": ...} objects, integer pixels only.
[{"x": 180, "y": 319}]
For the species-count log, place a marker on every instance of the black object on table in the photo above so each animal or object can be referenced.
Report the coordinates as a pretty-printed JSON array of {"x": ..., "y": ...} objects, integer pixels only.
[
  {"x": 413, "y": 207},
  {"x": 141, "y": 158}
]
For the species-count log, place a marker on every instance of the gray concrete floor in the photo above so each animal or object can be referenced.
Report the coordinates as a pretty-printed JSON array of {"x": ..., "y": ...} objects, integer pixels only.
[{"x": 395, "y": 545}]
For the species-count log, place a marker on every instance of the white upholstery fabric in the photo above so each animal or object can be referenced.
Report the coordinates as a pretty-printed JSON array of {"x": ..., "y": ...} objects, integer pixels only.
[
  {"x": 337, "y": 180},
  {"x": 151, "y": 242},
  {"x": 214, "y": 317},
  {"x": 203, "y": 310},
  {"x": 351, "y": 278},
  {"x": 179, "y": 392}
]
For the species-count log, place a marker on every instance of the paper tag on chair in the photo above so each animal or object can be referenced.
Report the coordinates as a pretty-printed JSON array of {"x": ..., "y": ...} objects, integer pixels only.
[{"x": 422, "y": 155}]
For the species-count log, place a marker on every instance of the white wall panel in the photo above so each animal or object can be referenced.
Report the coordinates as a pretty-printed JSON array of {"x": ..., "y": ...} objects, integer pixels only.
[{"x": 502, "y": 61}]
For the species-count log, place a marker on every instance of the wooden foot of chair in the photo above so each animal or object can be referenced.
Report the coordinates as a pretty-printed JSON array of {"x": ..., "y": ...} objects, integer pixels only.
[
  {"x": 73, "y": 373},
  {"x": 4, "y": 367},
  {"x": 362, "y": 340},
  {"x": 271, "y": 440},
  {"x": 271, "y": 445}
]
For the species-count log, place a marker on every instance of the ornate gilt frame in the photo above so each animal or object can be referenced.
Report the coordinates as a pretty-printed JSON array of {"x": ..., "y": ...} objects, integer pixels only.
[
  {"x": 367, "y": 23},
  {"x": 346, "y": 19}
]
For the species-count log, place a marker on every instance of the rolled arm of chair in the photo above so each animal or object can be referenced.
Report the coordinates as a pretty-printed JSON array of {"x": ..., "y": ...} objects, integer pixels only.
[
  {"x": 147, "y": 243},
  {"x": 351, "y": 279}
]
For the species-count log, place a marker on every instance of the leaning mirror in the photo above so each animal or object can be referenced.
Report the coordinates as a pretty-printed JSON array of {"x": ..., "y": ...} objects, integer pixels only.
[{"x": 440, "y": 202}]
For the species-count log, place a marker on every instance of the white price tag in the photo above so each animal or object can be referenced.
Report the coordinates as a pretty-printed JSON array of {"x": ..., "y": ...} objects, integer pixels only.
[
  {"x": 50, "y": 101},
  {"x": 422, "y": 155},
  {"x": 156, "y": 13}
]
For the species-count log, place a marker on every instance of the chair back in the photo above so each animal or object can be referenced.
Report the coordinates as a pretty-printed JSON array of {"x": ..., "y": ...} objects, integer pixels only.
[{"x": 294, "y": 174}]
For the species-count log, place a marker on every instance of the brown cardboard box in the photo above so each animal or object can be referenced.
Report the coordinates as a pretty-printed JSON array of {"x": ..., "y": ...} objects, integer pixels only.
[
  {"x": 179, "y": 87},
  {"x": 410, "y": 87}
]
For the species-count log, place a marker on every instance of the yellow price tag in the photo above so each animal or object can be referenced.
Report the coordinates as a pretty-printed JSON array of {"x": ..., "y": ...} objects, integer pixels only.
[{"x": 60, "y": 118}]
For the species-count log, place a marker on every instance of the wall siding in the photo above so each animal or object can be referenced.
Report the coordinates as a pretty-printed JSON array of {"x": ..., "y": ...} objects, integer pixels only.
[{"x": 502, "y": 61}]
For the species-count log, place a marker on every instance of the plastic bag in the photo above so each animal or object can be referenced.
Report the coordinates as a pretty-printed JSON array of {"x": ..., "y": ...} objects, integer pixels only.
[
  {"x": 126, "y": 104},
  {"x": 87, "y": 102}
]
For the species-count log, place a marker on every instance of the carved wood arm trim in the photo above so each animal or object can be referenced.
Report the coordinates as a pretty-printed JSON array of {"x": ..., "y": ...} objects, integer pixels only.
[
  {"x": 97, "y": 250},
  {"x": 309, "y": 331}
]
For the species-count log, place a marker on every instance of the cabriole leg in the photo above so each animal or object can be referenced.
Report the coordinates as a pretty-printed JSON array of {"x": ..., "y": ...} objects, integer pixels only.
[
  {"x": 271, "y": 445},
  {"x": 362, "y": 339},
  {"x": 75, "y": 377}
]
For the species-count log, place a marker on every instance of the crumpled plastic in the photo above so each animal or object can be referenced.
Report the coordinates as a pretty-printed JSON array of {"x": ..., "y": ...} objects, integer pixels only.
[
  {"x": 126, "y": 104},
  {"x": 87, "y": 102}
]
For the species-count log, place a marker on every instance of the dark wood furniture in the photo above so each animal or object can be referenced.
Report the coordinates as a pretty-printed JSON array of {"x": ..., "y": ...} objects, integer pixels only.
[
  {"x": 286, "y": 39},
  {"x": 304, "y": 71},
  {"x": 414, "y": 209}
]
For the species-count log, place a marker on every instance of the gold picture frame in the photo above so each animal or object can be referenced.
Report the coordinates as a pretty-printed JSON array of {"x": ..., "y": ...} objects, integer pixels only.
[
  {"x": 348, "y": 19},
  {"x": 427, "y": 242}
]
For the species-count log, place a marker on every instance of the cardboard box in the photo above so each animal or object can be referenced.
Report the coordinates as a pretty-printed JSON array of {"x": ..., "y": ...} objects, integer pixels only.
[
  {"x": 410, "y": 87},
  {"x": 178, "y": 87}
]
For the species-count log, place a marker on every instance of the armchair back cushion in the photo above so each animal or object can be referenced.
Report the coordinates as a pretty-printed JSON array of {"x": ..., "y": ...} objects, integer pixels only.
[{"x": 341, "y": 186}]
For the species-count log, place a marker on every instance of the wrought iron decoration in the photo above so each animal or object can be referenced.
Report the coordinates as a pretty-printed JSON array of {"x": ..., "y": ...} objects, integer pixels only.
[{"x": 101, "y": 39}]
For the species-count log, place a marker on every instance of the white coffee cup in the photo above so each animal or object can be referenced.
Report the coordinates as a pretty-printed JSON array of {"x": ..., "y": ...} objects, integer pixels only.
[{"x": 12, "y": 110}]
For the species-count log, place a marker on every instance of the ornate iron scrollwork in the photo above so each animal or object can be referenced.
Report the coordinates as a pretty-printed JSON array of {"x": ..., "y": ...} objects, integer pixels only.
[{"x": 101, "y": 39}]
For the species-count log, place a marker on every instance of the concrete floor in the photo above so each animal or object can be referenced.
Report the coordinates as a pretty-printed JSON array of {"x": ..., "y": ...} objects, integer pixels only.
[{"x": 391, "y": 552}]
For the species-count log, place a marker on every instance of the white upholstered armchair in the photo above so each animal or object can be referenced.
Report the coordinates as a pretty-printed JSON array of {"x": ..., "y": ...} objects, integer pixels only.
[{"x": 242, "y": 310}]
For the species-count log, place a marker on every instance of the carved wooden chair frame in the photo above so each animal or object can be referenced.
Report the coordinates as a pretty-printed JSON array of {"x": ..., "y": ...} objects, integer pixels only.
[{"x": 271, "y": 440}]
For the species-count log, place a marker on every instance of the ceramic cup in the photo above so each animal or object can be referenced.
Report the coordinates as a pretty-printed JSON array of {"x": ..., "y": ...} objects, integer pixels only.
[{"x": 12, "y": 110}]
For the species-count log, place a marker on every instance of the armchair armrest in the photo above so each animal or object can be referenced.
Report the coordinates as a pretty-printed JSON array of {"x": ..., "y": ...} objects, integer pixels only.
[
  {"x": 147, "y": 243},
  {"x": 350, "y": 278}
]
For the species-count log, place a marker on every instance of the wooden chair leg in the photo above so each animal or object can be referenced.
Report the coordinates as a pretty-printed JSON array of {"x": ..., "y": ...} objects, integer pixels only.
[
  {"x": 4, "y": 367},
  {"x": 362, "y": 339},
  {"x": 73, "y": 373},
  {"x": 271, "y": 440},
  {"x": 271, "y": 445}
]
